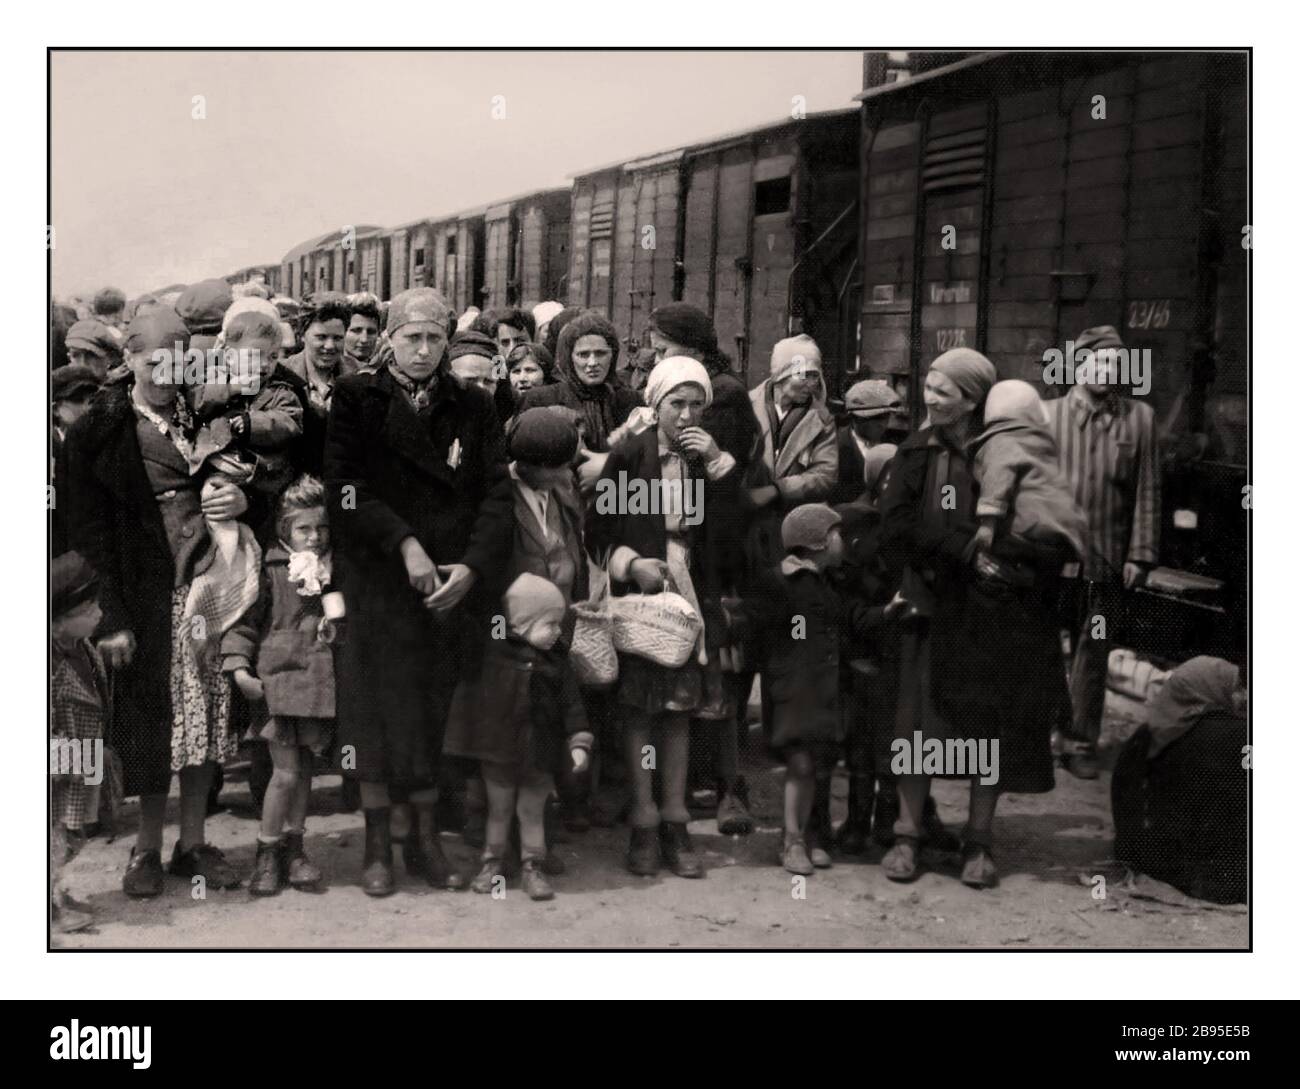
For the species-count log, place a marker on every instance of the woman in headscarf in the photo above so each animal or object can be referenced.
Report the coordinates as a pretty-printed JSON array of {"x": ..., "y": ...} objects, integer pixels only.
[
  {"x": 550, "y": 339},
  {"x": 981, "y": 667},
  {"x": 671, "y": 544},
  {"x": 1179, "y": 789},
  {"x": 680, "y": 329},
  {"x": 585, "y": 364}
]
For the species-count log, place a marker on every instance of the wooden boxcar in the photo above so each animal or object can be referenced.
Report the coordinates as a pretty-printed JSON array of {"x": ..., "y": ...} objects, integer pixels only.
[
  {"x": 757, "y": 228},
  {"x": 444, "y": 253},
  {"x": 626, "y": 240},
  {"x": 1010, "y": 201},
  {"x": 526, "y": 248},
  {"x": 770, "y": 233}
]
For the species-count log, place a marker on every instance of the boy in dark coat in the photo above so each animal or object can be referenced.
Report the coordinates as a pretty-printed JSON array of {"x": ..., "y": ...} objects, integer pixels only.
[{"x": 802, "y": 617}]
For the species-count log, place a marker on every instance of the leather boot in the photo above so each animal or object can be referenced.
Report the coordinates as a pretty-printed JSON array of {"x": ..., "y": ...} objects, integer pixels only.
[
  {"x": 855, "y": 832},
  {"x": 268, "y": 877},
  {"x": 299, "y": 870},
  {"x": 377, "y": 866},
  {"x": 422, "y": 852}
]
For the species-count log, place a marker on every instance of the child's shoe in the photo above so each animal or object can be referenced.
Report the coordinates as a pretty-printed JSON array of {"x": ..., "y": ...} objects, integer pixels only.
[
  {"x": 534, "y": 881},
  {"x": 299, "y": 870},
  {"x": 267, "y": 877},
  {"x": 643, "y": 852},
  {"x": 678, "y": 851},
  {"x": 978, "y": 871},
  {"x": 794, "y": 857},
  {"x": 486, "y": 880}
]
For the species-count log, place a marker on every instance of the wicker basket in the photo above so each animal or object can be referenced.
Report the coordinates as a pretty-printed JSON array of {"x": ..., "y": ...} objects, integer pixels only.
[
  {"x": 661, "y": 627},
  {"x": 594, "y": 658}
]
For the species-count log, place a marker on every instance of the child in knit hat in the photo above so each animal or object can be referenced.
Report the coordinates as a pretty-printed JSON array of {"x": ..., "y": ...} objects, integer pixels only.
[
  {"x": 1025, "y": 503},
  {"x": 521, "y": 717},
  {"x": 802, "y": 617}
]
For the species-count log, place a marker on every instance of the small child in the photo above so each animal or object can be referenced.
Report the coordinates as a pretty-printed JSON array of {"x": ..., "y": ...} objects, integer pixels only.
[
  {"x": 522, "y": 717},
  {"x": 1025, "y": 504},
  {"x": 256, "y": 415},
  {"x": 79, "y": 704},
  {"x": 803, "y": 620},
  {"x": 279, "y": 656}
]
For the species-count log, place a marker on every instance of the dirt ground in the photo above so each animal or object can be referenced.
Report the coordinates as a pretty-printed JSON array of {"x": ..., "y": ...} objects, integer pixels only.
[{"x": 1050, "y": 849}]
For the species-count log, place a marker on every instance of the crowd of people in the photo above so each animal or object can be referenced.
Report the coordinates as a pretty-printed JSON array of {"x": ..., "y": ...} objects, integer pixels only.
[{"x": 409, "y": 546}]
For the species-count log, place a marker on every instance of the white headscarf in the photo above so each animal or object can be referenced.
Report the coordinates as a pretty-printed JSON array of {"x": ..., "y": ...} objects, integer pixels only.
[{"x": 675, "y": 371}]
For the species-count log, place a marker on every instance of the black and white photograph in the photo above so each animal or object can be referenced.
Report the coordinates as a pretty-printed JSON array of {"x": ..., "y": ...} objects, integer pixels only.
[{"x": 649, "y": 499}]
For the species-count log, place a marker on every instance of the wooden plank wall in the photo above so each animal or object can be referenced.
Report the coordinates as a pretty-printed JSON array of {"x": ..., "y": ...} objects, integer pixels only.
[{"x": 645, "y": 245}]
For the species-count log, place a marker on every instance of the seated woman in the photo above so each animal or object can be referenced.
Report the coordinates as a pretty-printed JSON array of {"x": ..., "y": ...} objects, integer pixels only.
[{"x": 1179, "y": 788}]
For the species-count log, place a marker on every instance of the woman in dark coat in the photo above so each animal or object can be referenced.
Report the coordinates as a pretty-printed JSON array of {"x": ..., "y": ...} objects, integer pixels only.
[
  {"x": 420, "y": 503},
  {"x": 137, "y": 515},
  {"x": 585, "y": 365},
  {"x": 983, "y": 662}
]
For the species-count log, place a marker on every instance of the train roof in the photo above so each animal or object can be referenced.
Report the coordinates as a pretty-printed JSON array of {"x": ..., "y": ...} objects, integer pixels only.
[
  {"x": 663, "y": 158},
  {"x": 330, "y": 238},
  {"x": 934, "y": 73}
]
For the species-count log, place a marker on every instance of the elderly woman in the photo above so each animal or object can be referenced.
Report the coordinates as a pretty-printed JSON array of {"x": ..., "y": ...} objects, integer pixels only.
[
  {"x": 142, "y": 516},
  {"x": 420, "y": 502},
  {"x": 585, "y": 362},
  {"x": 648, "y": 551},
  {"x": 981, "y": 665}
]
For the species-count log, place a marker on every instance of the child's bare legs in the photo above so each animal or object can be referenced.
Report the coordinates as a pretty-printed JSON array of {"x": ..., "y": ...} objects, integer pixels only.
[
  {"x": 800, "y": 785},
  {"x": 674, "y": 767},
  {"x": 374, "y": 796},
  {"x": 502, "y": 792},
  {"x": 636, "y": 740},
  {"x": 281, "y": 793},
  {"x": 534, "y": 788},
  {"x": 301, "y": 799}
]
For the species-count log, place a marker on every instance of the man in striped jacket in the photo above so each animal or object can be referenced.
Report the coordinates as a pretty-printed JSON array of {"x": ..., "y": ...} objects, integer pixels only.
[{"x": 1109, "y": 453}]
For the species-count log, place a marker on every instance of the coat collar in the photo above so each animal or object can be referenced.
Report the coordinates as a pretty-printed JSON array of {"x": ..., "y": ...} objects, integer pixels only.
[
  {"x": 805, "y": 433},
  {"x": 117, "y": 462},
  {"x": 408, "y": 433}
]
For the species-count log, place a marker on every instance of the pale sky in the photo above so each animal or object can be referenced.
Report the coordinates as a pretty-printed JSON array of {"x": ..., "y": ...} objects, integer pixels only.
[{"x": 295, "y": 144}]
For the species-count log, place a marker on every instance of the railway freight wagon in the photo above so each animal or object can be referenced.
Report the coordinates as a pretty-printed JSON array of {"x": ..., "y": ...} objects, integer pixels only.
[
  {"x": 526, "y": 249},
  {"x": 443, "y": 253},
  {"x": 757, "y": 228},
  {"x": 1010, "y": 201},
  {"x": 769, "y": 235}
]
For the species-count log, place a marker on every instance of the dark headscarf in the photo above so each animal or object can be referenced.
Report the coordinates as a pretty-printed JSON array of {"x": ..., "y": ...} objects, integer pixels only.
[
  {"x": 692, "y": 328},
  {"x": 553, "y": 331},
  {"x": 595, "y": 401}
]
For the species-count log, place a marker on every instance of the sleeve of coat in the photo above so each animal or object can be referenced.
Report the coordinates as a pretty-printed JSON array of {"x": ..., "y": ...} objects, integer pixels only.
[
  {"x": 1144, "y": 538},
  {"x": 492, "y": 538},
  {"x": 90, "y": 526},
  {"x": 354, "y": 507},
  {"x": 275, "y": 419},
  {"x": 816, "y": 483},
  {"x": 997, "y": 469}
]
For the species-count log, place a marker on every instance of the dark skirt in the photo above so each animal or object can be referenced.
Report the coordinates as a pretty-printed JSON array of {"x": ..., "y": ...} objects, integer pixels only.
[{"x": 1024, "y": 755}]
